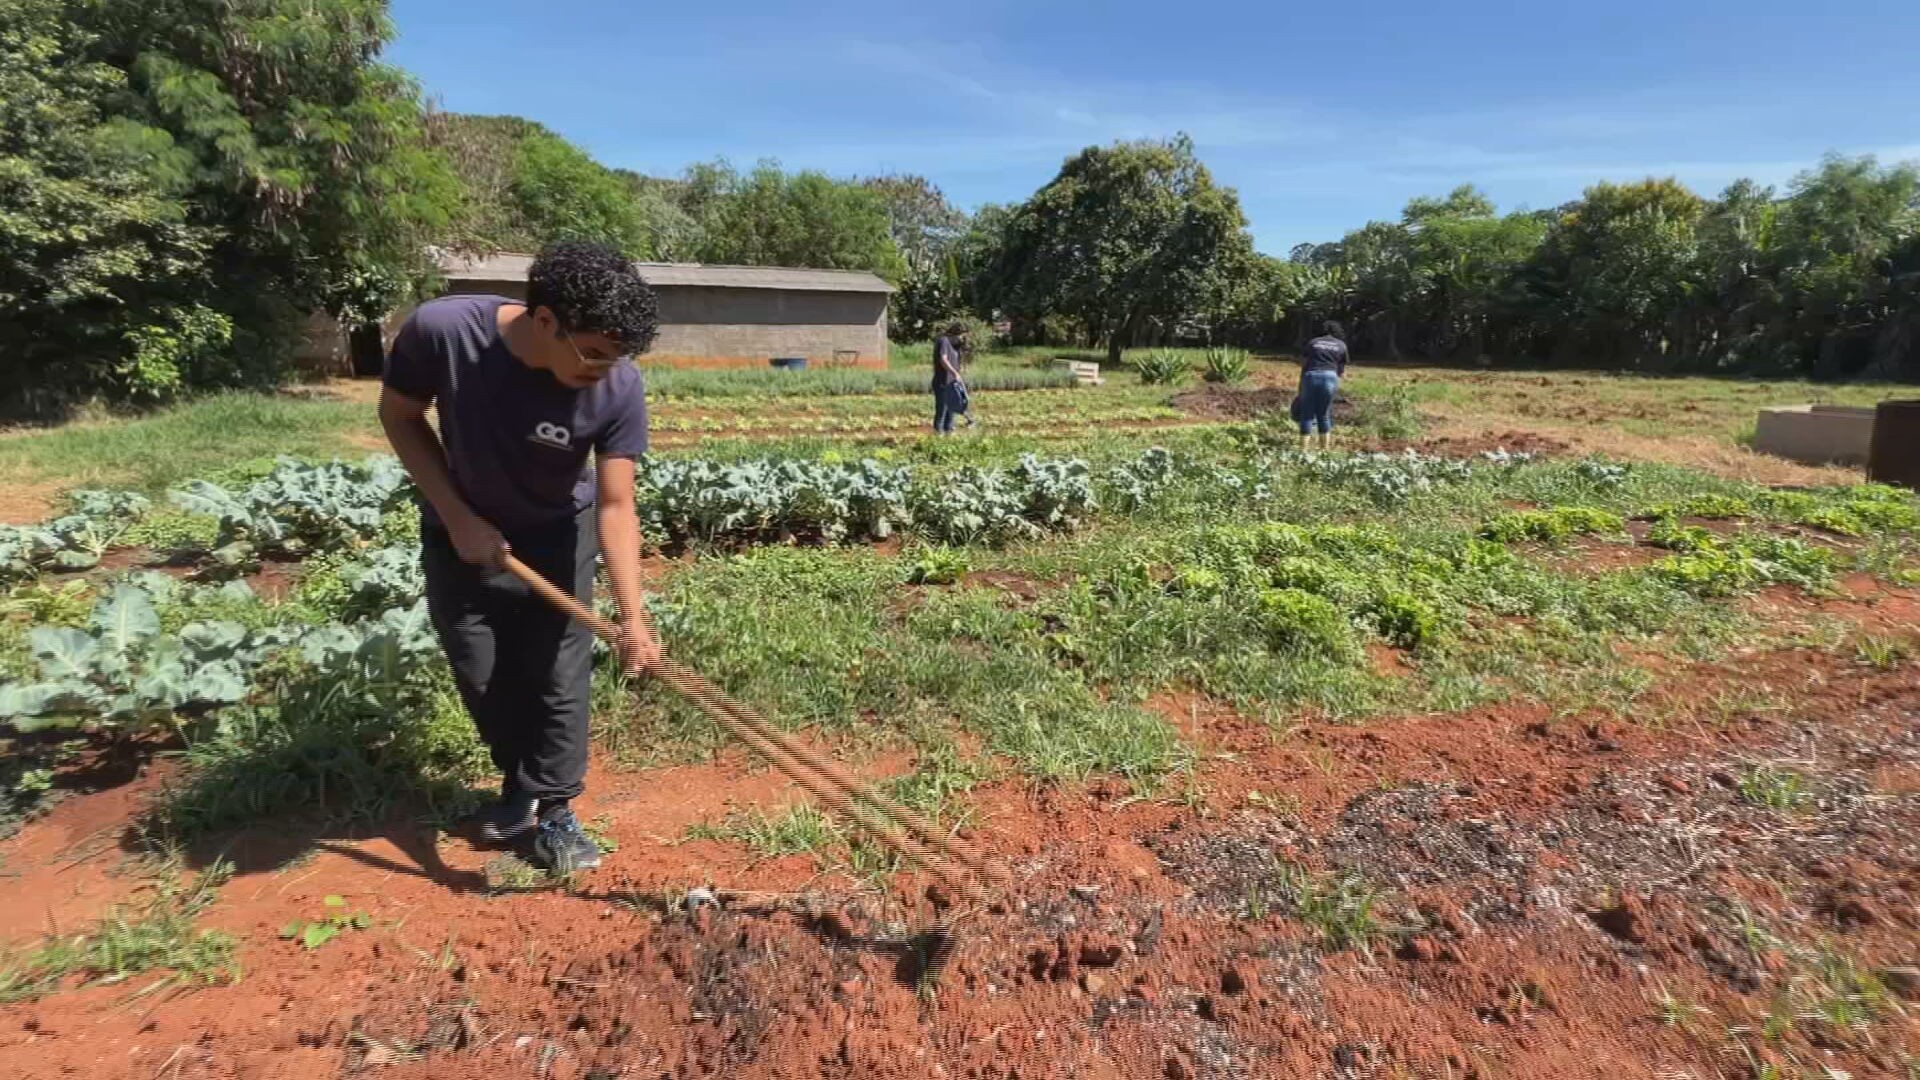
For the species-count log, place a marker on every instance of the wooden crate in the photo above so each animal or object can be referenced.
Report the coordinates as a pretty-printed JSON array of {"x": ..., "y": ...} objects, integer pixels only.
[{"x": 1085, "y": 372}]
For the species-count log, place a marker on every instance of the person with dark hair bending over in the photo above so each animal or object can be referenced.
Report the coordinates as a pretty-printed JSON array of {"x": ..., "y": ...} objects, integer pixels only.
[
  {"x": 526, "y": 392},
  {"x": 1322, "y": 363},
  {"x": 946, "y": 376}
]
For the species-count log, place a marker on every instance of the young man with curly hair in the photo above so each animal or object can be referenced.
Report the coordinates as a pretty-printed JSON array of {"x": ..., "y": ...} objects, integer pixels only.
[{"x": 525, "y": 393}]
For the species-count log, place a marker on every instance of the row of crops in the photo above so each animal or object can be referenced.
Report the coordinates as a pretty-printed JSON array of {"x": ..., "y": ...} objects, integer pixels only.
[
  {"x": 134, "y": 657},
  {"x": 150, "y": 648},
  {"x": 786, "y": 423},
  {"x": 139, "y": 654}
]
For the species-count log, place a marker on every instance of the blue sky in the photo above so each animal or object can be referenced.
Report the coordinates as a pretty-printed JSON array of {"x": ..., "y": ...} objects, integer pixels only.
[{"x": 1323, "y": 118}]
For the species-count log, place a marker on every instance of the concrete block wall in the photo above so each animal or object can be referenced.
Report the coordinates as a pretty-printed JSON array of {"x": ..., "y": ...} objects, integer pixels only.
[
  {"x": 704, "y": 326},
  {"x": 721, "y": 327},
  {"x": 1816, "y": 434},
  {"x": 752, "y": 345}
]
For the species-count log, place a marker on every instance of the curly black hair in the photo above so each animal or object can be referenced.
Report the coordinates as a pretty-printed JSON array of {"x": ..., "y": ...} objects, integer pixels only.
[{"x": 593, "y": 289}]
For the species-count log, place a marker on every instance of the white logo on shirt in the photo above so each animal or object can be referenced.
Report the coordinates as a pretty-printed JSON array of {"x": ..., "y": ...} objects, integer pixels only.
[{"x": 553, "y": 435}]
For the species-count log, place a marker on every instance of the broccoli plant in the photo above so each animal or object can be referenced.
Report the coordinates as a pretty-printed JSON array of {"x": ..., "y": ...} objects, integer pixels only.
[
  {"x": 120, "y": 670},
  {"x": 73, "y": 541},
  {"x": 297, "y": 508}
]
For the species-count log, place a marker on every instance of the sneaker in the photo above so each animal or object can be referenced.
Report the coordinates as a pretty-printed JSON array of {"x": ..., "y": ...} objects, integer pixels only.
[
  {"x": 562, "y": 846},
  {"x": 511, "y": 816}
]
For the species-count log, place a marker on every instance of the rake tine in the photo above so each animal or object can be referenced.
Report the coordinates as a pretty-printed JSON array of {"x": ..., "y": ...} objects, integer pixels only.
[{"x": 850, "y": 793}]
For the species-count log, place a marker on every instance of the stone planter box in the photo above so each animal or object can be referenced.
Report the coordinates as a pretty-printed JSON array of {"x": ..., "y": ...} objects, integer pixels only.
[{"x": 1816, "y": 434}]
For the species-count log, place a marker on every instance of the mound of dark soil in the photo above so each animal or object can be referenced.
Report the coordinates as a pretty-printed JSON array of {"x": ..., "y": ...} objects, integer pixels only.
[{"x": 1212, "y": 401}]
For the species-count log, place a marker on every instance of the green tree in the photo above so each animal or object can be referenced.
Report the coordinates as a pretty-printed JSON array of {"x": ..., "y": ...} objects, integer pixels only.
[
  {"x": 1386, "y": 280},
  {"x": 1616, "y": 266},
  {"x": 522, "y": 186},
  {"x": 96, "y": 233},
  {"x": 307, "y": 149},
  {"x": 1128, "y": 238},
  {"x": 1739, "y": 296},
  {"x": 560, "y": 193},
  {"x": 1464, "y": 259},
  {"x": 774, "y": 218},
  {"x": 976, "y": 258},
  {"x": 1834, "y": 244},
  {"x": 671, "y": 234},
  {"x": 925, "y": 228},
  {"x": 923, "y": 223},
  {"x": 1824, "y": 281},
  {"x": 1259, "y": 304},
  {"x": 217, "y": 171}
]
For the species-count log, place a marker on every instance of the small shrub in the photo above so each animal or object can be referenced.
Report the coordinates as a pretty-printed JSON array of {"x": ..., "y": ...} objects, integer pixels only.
[
  {"x": 1307, "y": 574},
  {"x": 1297, "y": 621},
  {"x": 1405, "y": 620},
  {"x": 938, "y": 566},
  {"x": 1339, "y": 906},
  {"x": 1706, "y": 565},
  {"x": 1225, "y": 365},
  {"x": 801, "y": 830},
  {"x": 1776, "y": 789},
  {"x": 1163, "y": 367},
  {"x": 45, "y": 604},
  {"x": 1834, "y": 519},
  {"x": 1713, "y": 507},
  {"x": 1602, "y": 473},
  {"x": 1790, "y": 505},
  {"x": 167, "y": 529},
  {"x": 1551, "y": 525},
  {"x": 1198, "y": 582},
  {"x": 1687, "y": 539},
  {"x": 1857, "y": 511}
]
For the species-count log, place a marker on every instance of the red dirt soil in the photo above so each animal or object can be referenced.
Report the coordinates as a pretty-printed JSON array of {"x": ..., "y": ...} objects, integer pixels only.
[{"x": 1557, "y": 900}]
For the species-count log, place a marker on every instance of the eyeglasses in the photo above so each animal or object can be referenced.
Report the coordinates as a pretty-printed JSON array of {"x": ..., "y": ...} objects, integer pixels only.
[{"x": 597, "y": 365}]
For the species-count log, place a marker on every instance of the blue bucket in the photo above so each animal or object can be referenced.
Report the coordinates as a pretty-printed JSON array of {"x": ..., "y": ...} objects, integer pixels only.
[{"x": 791, "y": 363}]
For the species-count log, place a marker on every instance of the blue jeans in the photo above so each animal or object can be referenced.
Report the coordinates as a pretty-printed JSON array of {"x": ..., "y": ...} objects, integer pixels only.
[
  {"x": 1315, "y": 404},
  {"x": 943, "y": 413}
]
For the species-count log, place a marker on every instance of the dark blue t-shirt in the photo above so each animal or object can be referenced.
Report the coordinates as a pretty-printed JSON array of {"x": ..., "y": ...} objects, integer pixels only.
[
  {"x": 1326, "y": 353},
  {"x": 517, "y": 439},
  {"x": 943, "y": 346}
]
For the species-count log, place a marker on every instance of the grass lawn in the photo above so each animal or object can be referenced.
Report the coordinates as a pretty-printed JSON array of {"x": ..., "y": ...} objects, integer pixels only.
[{"x": 153, "y": 451}]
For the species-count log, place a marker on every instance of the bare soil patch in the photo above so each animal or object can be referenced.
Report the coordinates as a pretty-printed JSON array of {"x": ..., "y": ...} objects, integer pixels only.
[
  {"x": 1215, "y": 402},
  {"x": 1462, "y": 446},
  {"x": 28, "y": 502},
  {"x": 1708, "y": 452},
  {"x": 1551, "y": 896}
]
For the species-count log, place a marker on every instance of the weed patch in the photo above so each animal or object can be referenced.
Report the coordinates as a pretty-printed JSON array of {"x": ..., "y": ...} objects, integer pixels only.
[{"x": 158, "y": 937}]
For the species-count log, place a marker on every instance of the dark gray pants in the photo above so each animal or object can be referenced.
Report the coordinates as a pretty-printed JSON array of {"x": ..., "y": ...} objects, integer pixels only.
[{"x": 524, "y": 670}]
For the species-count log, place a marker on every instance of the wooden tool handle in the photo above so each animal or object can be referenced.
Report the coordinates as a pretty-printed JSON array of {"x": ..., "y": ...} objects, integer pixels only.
[{"x": 564, "y": 600}]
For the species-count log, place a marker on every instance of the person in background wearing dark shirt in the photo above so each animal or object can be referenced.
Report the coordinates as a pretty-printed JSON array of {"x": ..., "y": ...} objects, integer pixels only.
[
  {"x": 1322, "y": 363},
  {"x": 526, "y": 392},
  {"x": 946, "y": 376}
]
